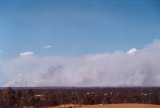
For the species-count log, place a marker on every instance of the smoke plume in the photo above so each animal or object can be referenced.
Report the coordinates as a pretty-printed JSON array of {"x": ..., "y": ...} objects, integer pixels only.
[{"x": 107, "y": 69}]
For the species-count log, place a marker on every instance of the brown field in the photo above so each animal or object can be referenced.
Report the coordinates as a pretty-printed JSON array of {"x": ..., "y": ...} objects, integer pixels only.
[{"x": 111, "y": 106}]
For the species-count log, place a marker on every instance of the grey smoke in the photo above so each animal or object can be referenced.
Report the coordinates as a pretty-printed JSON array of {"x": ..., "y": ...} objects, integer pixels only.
[{"x": 106, "y": 69}]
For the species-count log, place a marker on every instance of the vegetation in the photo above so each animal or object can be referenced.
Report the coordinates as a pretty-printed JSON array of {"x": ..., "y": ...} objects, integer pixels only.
[{"x": 44, "y": 97}]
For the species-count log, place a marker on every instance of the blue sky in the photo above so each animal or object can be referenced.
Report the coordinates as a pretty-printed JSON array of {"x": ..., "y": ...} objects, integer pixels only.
[{"x": 76, "y": 27}]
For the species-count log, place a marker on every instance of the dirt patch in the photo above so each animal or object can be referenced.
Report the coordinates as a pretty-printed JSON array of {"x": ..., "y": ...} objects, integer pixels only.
[
  {"x": 123, "y": 106},
  {"x": 110, "y": 106}
]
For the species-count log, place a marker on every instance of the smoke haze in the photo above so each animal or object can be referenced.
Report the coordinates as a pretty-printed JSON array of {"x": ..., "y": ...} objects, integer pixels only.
[{"x": 107, "y": 69}]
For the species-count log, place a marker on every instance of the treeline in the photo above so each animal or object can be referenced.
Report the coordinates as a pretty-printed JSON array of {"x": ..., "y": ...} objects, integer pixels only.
[{"x": 42, "y": 97}]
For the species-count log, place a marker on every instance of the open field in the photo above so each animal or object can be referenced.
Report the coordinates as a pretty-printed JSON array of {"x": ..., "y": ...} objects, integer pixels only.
[
  {"x": 113, "y": 106},
  {"x": 123, "y": 106}
]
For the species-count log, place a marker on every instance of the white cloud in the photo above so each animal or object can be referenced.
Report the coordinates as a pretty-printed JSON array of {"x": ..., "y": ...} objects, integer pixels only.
[
  {"x": 132, "y": 51},
  {"x": 27, "y": 53},
  {"x": 47, "y": 46},
  {"x": 108, "y": 69}
]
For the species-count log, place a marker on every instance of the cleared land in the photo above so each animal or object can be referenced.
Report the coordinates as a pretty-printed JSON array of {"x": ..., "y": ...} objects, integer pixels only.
[
  {"x": 123, "y": 106},
  {"x": 112, "y": 106}
]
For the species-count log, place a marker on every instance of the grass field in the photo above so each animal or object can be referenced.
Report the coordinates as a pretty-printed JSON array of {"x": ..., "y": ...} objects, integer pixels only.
[{"x": 111, "y": 106}]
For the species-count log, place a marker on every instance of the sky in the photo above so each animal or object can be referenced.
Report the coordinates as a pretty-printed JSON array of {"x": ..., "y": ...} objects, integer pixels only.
[
  {"x": 71, "y": 31},
  {"x": 76, "y": 27}
]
